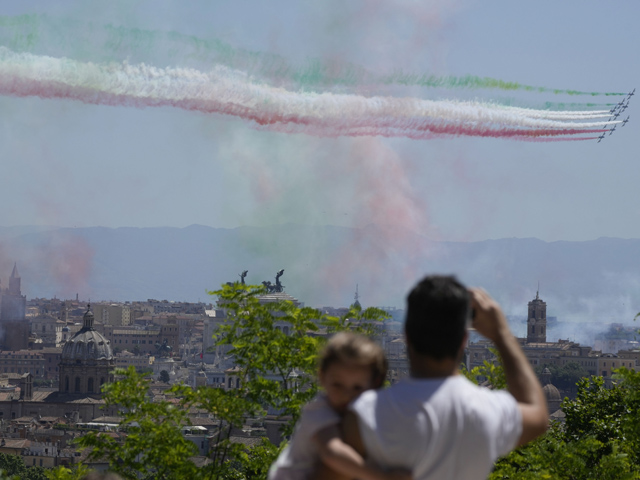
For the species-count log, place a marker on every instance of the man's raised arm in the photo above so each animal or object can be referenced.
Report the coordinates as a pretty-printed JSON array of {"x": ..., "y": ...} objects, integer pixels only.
[{"x": 522, "y": 382}]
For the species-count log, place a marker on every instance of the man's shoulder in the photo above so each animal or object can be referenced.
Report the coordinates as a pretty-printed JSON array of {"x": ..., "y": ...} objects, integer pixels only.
[{"x": 455, "y": 389}]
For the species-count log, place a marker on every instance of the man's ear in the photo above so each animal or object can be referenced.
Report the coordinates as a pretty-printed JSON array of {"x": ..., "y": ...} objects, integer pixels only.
[
  {"x": 407, "y": 343},
  {"x": 463, "y": 346}
]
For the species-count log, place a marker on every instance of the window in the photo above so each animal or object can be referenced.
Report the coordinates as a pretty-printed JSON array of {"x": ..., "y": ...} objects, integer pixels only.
[
  {"x": 90, "y": 386},
  {"x": 77, "y": 384}
]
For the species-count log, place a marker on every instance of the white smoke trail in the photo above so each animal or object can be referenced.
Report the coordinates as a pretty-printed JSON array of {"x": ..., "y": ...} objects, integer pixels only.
[{"x": 227, "y": 91}]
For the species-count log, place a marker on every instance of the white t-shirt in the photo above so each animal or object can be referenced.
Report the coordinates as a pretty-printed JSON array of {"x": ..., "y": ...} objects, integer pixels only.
[
  {"x": 440, "y": 429},
  {"x": 299, "y": 458}
]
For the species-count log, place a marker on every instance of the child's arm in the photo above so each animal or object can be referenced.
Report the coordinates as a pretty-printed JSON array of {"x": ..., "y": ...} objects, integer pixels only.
[{"x": 345, "y": 460}]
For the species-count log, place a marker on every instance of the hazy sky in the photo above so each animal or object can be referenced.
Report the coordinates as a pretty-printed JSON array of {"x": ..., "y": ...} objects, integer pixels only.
[{"x": 66, "y": 163}]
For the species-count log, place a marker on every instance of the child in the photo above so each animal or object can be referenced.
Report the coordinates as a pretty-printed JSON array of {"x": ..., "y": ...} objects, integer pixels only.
[{"x": 349, "y": 364}]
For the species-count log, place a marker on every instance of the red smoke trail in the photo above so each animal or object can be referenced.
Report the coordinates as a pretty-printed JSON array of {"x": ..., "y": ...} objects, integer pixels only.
[
  {"x": 67, "y": 262},
  {"x": 435, "y": 131},
  {"x": 392, "y": 220}
]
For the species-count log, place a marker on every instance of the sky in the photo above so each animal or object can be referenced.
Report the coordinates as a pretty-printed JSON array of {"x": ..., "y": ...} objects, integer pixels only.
[{"x": 69, "y": 163}]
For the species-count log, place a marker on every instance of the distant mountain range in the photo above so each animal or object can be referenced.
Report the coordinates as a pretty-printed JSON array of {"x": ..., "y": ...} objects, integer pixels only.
[{"x": 595, "y": 280}]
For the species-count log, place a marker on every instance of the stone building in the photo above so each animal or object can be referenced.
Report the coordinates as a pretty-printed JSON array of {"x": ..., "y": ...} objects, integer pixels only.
[
  {"x": 142, "y": 340},
  {"x": 537, "y": 321},
  {"x": 551, "y": 393},
  {"x": 118, "y": 314},
  {"x": 86, "y": 361},
  {"x": 22, "y": 361},
  {"x": 13, "y": 305},
  {"x": 48, "y": 329},
  {"x": 14, "y": 329},
  {"x": 51, "y": 362}
]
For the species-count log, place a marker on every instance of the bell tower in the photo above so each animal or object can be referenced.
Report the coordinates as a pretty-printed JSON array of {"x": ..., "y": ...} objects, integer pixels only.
[
  {"x": 14, "y": 282},
  {"x": 537, "y": 320}
]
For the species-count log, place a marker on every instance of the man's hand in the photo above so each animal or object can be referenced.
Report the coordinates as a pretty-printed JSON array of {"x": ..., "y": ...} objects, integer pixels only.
[{"x": 488, "y": 318}]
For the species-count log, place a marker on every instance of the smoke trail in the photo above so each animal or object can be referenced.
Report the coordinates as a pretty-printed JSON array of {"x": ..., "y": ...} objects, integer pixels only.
[
  {"x": 389, "y": 244},
  {"x": 55, "y": 261},
  {"x": 226, "y": 91},
  {"x": 106, "y": 43}
]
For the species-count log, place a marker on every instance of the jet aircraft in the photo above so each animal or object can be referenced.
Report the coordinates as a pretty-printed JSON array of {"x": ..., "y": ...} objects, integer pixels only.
[{"x": 624, "y": 122}]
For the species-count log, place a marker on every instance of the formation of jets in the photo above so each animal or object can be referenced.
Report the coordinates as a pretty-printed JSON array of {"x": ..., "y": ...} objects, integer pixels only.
[{"x": 616, "y": 111}]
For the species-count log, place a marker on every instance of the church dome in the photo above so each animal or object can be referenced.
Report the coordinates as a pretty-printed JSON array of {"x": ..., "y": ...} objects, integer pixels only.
[
  {"x": 87, "y": 344},
  {"x": 551, "y": 393}
]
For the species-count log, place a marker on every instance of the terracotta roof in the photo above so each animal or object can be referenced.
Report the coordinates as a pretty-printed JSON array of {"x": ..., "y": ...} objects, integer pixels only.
[
  {"x": 203, "y": 422},
  {"x": 17, "y": 443},
  {"x": 25, "y": 419},
  {"x": 106, "y": 419},
  {"x": 248, "y": 441},
  {"x": 50, "y": 419}
]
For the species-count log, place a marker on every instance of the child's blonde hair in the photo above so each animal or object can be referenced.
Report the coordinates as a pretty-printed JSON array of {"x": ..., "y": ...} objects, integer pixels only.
[{"x": 354, "y": 349}]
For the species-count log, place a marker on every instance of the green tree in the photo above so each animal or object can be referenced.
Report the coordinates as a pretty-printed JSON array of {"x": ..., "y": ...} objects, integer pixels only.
[
  {"x": 490, "y": 372},
  {"x": 565, "y": 377},
  {"x": 598, "y": 440},
  {"x": 278, "y": 367},
  {"x": 77, "y": 472},
  {"x": 154, "y": 446},
  {"x": 12, "y": 467},
  {"x": 164, "y": 376}
]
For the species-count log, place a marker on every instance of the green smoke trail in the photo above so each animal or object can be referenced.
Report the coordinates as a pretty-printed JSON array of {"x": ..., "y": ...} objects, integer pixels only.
[{"x": 87, "y": 41}]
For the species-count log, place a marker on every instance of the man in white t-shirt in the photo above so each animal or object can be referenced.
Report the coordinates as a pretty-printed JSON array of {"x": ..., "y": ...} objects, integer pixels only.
[{"x": 437, "y": 424}]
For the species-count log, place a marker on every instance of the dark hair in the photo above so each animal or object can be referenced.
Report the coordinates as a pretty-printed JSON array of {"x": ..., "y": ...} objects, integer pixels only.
[
  {"x": 354, "y": 349},
  {"x": 438, "y": 312}
]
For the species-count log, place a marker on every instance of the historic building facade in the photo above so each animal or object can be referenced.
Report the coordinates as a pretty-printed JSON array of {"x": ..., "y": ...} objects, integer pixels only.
[
  {"x": 14, "y": 329},
  {"x": 537, "y": 321},
  {"x": 86, "y": 362}
]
